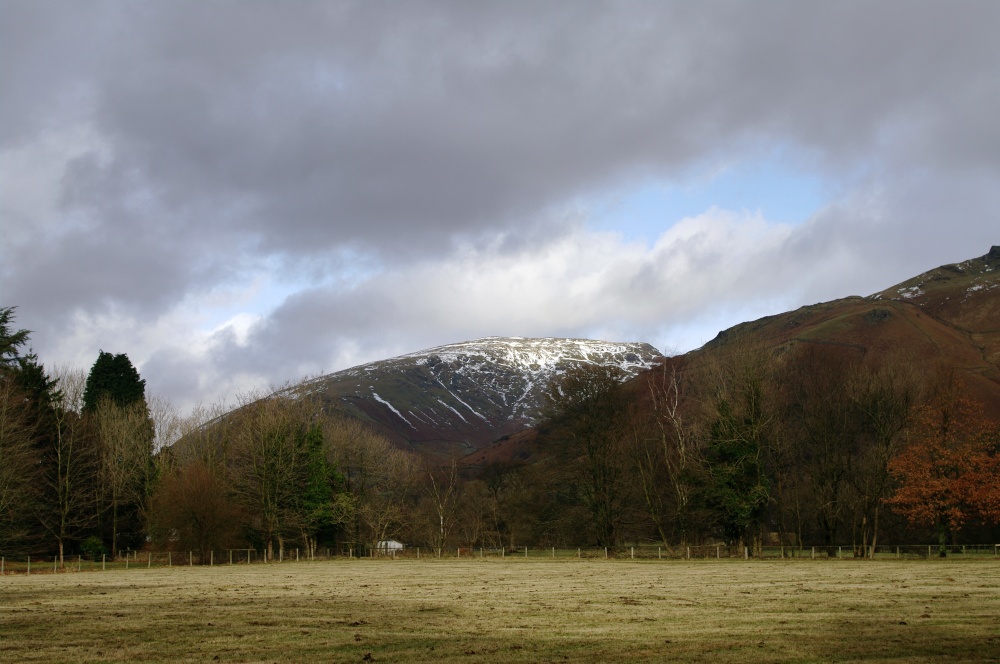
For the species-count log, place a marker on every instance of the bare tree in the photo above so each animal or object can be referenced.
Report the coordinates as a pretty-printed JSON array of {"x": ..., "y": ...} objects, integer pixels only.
[
  {"x": 885, "y": 393},
  {"x": 378, "y": 477},
  {"x": 167, "y": 424},
  {"x": 823, "y": 426},
  {"x": 443, "y": 493},
  {"x": 669, "y": 449},
  {"x": 126, "y": 445},
  {"x": 266, "y": 460},
  {"x": 192, "y": 509},
  {"x": 588, "y": 429},
  {"x": 204, "y": 435},
  {"x": 507, "y": 508},
  {"x": 70, "y": 465}
]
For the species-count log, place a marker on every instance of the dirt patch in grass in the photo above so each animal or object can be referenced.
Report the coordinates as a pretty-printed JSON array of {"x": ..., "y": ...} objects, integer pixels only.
[{"x": 509, "y": 611}]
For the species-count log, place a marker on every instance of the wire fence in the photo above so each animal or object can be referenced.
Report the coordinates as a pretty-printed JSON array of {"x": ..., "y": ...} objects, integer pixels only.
[
  {"x": 697, "y": 552},
  {"x": 137, "y": 560}
]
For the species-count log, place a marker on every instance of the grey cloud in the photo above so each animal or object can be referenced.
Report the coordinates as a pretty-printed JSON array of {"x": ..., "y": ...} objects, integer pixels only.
[{"x": 234, "y": 135}]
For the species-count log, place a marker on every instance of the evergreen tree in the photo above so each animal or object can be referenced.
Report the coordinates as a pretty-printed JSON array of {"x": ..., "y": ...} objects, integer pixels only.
[
  {"x": 10, "y": 341},
  {"x": 115, "y": 377}
]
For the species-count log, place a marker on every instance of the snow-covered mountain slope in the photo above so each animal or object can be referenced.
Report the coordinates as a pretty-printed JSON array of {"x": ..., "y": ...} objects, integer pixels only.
[{"x": 456, "y": 398}]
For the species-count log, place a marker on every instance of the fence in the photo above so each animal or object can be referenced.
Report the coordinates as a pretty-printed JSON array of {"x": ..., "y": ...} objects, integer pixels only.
[
  {"x": 151, "y": 559},
  {"x": 699, "y": 552}
]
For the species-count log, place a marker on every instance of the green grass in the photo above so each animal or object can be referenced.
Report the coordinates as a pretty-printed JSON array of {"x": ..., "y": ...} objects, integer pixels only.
[{"x": 509, "y": 610}]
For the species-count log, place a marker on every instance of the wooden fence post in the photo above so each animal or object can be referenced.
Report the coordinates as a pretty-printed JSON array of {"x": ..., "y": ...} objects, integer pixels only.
[{"x": 103, "y": 557}]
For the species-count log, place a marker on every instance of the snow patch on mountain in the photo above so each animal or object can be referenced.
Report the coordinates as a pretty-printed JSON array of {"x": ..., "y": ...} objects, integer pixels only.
[{"x": 392, "y": 408}]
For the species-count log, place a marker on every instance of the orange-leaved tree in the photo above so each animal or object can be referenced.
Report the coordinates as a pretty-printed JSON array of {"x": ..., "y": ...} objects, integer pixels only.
[{"x": 949, "y": 470}]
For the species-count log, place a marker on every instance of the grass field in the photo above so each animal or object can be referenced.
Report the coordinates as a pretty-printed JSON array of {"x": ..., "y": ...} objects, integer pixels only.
[{"x": 509, "y": 611}]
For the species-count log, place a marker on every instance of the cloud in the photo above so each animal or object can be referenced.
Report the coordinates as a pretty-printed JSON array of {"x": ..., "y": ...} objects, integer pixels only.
[{"x": 410, "y": 174}]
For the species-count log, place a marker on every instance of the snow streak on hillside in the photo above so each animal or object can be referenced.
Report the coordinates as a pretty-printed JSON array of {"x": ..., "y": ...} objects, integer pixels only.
[{"x": 472, "y": 391}]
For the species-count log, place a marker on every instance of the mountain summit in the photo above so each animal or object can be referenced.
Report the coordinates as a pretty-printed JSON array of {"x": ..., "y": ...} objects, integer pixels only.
[
  {"x": 454, "y": 399},
  {"x": 963, "y": 295}
]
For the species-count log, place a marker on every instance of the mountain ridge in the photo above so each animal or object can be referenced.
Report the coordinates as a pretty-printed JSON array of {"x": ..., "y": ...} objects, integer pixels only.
[
  {"x": 456, "y": 398},
  {"x": 944, "y": 319}
]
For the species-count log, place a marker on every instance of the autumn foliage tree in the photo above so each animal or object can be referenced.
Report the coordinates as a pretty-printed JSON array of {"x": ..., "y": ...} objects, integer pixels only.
[
  {"x": 193, "y": 510},
  {"x": 949, "y": 471}
]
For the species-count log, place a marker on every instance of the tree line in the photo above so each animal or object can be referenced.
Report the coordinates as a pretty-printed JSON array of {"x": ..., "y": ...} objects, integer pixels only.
[{"x": 816, "y": 445}]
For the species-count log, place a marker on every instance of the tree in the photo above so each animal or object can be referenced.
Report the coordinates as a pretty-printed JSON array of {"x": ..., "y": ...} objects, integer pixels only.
[
  {"x": 69, "y": 466},
  {"x": 10, "y": 340},
  {"x": 27, "y": 418},
  {"x": 114, "y": 398},
  {"x": 115, "y": 377},
  {"x": 126, "y": 446},
  {"x": 377, "y": 477},
  {"x": 588, "y": 412},
  {"x": 507, "y": 508},
  {"x": 742, "y": 416},
  {"x": 823, "y": 426},
  {"x": 191, "y": 509},
  {"x": 443, "y": 494},
  {"x": 319, "y": 506},
  {"x": 668, "y": 448},
  {"x": 266, "y": 459},
  {"x": 948, "y": 471},
  {"x": 884, "y": 393},
  {"x": 18, "y": 462}
]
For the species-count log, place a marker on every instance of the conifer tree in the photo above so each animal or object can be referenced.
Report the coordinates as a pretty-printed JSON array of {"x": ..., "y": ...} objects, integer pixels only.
[{"x": 115, "y": 377}]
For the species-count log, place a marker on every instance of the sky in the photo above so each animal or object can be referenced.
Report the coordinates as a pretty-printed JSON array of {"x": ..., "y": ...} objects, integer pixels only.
[{"x": 241, "y": 194}]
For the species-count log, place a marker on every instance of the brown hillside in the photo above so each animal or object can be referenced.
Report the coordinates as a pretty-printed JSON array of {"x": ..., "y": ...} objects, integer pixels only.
[
  {"x": 964, "y": 295},
  {"x": 945, "y": 318}
]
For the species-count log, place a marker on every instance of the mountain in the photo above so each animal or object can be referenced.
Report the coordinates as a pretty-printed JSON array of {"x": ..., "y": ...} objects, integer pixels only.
[
  {"x": 965, "y": 296},
  {"x": 455, "y": 399},
  {"x": 946, "y": 318}
]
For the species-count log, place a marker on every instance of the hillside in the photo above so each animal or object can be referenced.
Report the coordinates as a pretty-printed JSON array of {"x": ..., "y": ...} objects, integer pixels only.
[
  {"x": 455, "y": 399},
  {"x": 948, "y": 317},
  {"x": 965, "y": 296}
]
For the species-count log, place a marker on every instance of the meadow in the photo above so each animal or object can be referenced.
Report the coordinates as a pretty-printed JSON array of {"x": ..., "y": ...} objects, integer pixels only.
[{"x": 509, "y": 610}]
